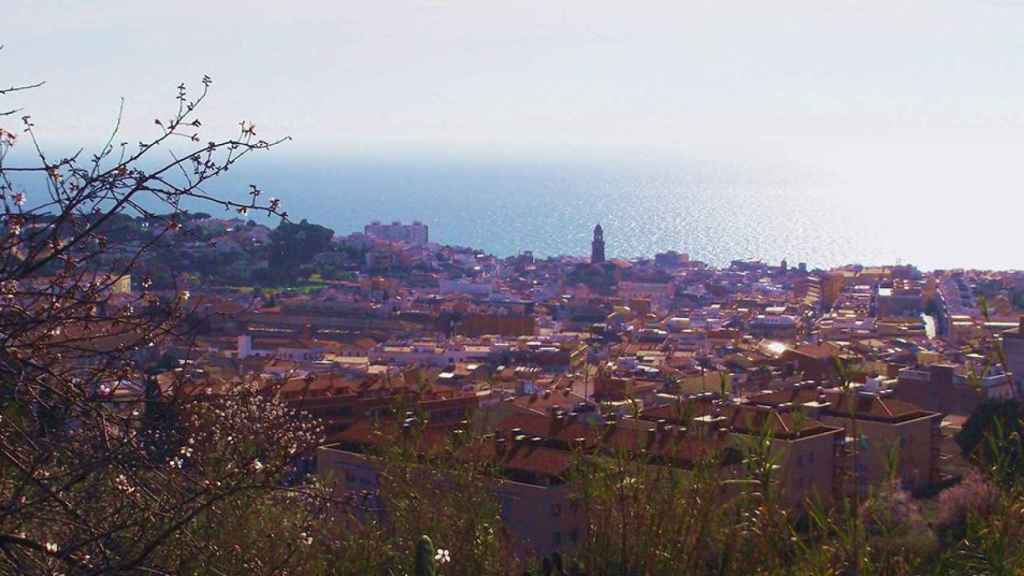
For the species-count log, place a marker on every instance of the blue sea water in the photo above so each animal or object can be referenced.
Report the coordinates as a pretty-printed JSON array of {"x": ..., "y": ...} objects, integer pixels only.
[{"x": 713, "y": 213}]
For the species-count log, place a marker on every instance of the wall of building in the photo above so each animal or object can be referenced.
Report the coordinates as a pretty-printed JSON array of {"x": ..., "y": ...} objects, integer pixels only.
[
  {"x": 415, "y": 233},
  {"x": 1013, "y": 347},
  {"x": 481, "y": 324},
  {"x": 914, "y": 444},
  {"x": 808, "y": 468},
  {"x": 542, "y": 519}
]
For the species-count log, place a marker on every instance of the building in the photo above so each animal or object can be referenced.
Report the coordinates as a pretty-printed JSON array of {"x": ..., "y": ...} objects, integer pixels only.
[
  {"x": 530, "y": 482},
  {"x": 503, "y": 325},
  {"x": 783, "y": 326},
  {"x": 938, "y": 388},
  {"x": 813, "y": 361},
  {"x": 340, "y": 403},
  {"x": 832, "y": 287},
  {"x": 904, "y": 298},
  {"x": 1013, "y": 348},
  {"x": 660, "y": 293},
  {"x": 597, "y": 246},
  {"x": 808, "y": 452},
  {"x": 297, "y": 350},
  {"x": 482, "y": 287},
  {"x": 671, "y": 259},
  {"x": 415, "y": 233},
  {"x": 123, "y": 285},
  {"x": 888, "y": 432}
]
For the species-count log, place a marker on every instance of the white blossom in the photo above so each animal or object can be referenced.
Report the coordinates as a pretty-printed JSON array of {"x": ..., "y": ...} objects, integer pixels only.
[
  {"x": 123, "y": 484},
  {"x": 8, "y": 288}
]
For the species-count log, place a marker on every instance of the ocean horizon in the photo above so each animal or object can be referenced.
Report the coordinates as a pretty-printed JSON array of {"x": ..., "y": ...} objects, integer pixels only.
[{"x": 713, "y": 213}]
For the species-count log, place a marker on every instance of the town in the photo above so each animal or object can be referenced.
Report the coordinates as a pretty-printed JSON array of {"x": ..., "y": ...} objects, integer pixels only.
[
  {"x": 549, "y": 359},
  {"x": 435, "y": 288}
]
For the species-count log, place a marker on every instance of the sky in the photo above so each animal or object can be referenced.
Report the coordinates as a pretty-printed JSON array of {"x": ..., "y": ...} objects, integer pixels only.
[{"x": 918, "y": 101}]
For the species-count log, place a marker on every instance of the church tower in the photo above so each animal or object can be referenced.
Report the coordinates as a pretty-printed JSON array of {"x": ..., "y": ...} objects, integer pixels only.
[{"x": 597, "y": 246}]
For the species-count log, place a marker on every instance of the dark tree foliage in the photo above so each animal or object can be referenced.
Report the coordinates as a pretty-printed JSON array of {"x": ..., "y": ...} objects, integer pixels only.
[
  {"x": 159, "y": 424},
  {"x": 992, "y": 419},
  {"x": 292, "y": 245}
]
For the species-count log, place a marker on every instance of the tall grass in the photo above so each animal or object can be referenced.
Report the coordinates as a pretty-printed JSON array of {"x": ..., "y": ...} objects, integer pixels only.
[{"x": 719, "y": 516}]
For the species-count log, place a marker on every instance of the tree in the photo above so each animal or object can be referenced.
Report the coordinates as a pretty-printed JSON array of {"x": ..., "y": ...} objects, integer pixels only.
[
  {"x": 80, "y": 493},
  {"x": 992, "y": 435},
  {"x": 292, "y": 245}
]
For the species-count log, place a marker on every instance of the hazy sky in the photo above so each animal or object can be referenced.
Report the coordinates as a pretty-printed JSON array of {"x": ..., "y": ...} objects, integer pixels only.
[{"x": 920, "y": 98}]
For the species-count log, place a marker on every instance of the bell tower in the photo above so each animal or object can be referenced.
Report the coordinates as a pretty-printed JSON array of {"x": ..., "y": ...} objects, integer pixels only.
[{"x": 597, "y": 246}]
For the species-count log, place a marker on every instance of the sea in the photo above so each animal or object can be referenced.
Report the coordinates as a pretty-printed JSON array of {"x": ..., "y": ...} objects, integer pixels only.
[{"x": 714, "y": 212}]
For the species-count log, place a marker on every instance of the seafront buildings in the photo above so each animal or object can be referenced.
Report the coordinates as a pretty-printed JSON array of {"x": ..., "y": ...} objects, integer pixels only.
[
  {"x": 415, "y": 233},
  {"x": 550, "y": 359}
]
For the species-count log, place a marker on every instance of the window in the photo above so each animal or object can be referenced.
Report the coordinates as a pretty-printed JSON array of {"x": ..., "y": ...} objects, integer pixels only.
[
  {"x": 556, "y": 538},
  {"x": 574, "y": 536},
  {"x": 556, "y": 510}
]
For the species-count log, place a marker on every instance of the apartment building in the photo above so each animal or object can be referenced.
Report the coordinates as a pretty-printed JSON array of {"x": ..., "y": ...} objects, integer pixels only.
[
  {"x": 530, "y": 484},
  {"x": 415, "y": 233},
  {"x": 889, "y": 432},
  {"x": 807, "y": 451}
]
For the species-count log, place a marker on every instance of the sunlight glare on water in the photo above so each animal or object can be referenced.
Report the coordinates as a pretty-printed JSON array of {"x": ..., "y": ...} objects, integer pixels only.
[{"x": 715, "y": 215}]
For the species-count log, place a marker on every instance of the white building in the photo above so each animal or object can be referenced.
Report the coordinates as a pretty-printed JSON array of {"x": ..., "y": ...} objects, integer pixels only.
[{"x": 415, "y": 233}]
